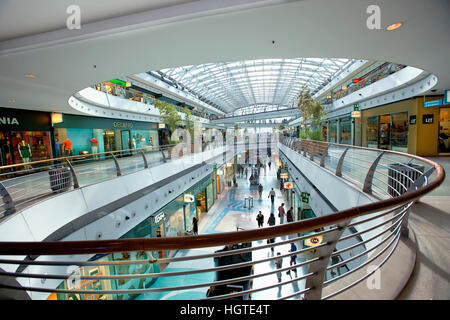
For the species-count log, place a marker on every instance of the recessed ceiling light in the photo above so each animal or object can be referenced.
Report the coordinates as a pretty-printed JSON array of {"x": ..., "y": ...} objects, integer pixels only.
[
  {"x": 30, "y": 75},
  {"x": 12, "y": 100},
  {"x": 394, "y": 26}
]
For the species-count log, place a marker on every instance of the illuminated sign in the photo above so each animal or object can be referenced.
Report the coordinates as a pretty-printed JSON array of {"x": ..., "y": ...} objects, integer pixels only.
[
  {"x": 162, "y": 125},
  {"x": 189, "y": 198},
  {"x": 284, "y": 176},
  {"x": 57, "y": 117},
  {"x": 288, "y": 185},
  {"x": 356, "y": 114},
  {"x": 313, "y": 241},
  {"x": 219, "y": 172}
]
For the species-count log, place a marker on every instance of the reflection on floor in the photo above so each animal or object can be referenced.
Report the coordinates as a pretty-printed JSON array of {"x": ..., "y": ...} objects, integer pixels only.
[{"x": 228, "y": 214}]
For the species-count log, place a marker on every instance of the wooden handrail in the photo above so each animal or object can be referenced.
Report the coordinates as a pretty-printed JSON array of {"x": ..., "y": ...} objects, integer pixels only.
[{"x": 208, "y": 240}]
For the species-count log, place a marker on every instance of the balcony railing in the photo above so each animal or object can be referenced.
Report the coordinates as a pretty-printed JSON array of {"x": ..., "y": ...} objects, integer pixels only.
[{"x": 396, "y": 179}]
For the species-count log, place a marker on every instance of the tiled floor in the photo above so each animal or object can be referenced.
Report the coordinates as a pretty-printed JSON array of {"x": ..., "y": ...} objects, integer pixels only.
[{"x": 228, "y": 214}]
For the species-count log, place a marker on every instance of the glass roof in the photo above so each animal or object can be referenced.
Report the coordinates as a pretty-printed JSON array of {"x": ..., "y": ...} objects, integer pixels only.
[{"x": 256, "y": 85}]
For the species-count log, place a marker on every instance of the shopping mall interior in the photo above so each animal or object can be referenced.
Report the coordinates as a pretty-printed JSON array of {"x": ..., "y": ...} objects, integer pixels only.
[{"x": 209, "y": 150}]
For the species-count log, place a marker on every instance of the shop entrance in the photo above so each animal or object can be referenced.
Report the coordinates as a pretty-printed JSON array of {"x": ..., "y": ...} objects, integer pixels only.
[
  {"x": 109, "y": 140},
  {"x": 384, "y": 133},
  {"x": 126, "y": 141},
  {"x": 444, "y": 131}
]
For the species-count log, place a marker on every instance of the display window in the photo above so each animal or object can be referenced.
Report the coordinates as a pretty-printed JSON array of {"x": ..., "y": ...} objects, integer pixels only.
[
  {"x": 399, "y": 131},
  {"x": 345, "y": 130},
  {"x": 372, "y": 132},
  {"x": 444, "y": 130},
  {"x": 333, "y": 131},
  {"x": 26, "y": 146},
  {"x": 384, "y": 132}
]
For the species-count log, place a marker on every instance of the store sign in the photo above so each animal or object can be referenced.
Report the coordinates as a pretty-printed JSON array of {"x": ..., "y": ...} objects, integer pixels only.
[
  {"x": 161, "y": 125},
  {"x": 157, "y": 219},
  {"x": 9, "y": 121},
  {"x": 412, "y": 119},
  {"x": 356, "y": 114},
  {"x": 126, "y": 125},
  {"x": 313, "y": 241},
  {"x": 288, "y": 185},
  {"x": 189, "y": 198},
  {"x": 427, "y": 118},
  {"x": 433, "y": 103},
  {"x": 284, "y": 175}
]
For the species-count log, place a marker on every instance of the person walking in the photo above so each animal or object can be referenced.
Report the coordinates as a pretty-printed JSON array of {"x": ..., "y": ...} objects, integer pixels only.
[
  {"x": 260, "y": 219},
  {"x": 271, "y": 222},
  {"x": 293, "y": 259},
  {"x": 270, "y": 163},
  {"x": 195, "y": 226},
  {"x": 290, "y": 215},
  {"x": 281, "y": 213},
  {"x": 246, "y": 172},
  {"x": 272, "y": 196},
  {"x": 279, "y": 265},
  {"x": 260, "y": 190}
]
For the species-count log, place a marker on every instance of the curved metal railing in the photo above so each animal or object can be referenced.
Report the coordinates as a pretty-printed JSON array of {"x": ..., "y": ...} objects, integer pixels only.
[
  {"x": 330, "y": 248},
  {"x": 23, "y": 184}
]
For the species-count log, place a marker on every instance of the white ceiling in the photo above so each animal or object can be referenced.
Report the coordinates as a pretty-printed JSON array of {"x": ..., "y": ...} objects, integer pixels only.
[{"x": 196, "y": 32}]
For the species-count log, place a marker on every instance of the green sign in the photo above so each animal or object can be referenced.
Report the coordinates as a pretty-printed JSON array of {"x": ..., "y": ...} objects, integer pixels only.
[
  {"x": 305, "y": 197},
  {"x": 356, "y": 107}
]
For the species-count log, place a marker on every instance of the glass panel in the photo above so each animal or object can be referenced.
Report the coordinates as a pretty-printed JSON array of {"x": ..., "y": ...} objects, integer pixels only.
[
  {"x": 384, "y": 132},
  {"x": 372, "y": 132},
  {"x": 333, "y": 131},
  {"x": 444, "y": 130},
  {"x": 345, "y": 130},
  {"x": 399, "y": 131}
]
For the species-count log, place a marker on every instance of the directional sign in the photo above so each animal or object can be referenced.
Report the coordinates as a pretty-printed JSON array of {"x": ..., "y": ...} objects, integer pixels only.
[{"x": 305, "y": 197}]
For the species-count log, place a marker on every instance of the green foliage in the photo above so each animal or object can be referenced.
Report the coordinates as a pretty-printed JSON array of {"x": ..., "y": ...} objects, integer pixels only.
[
  {"x": 316, "y": 134},
  {"x": 169, "y": 115},
  {"x": 311, "y": 110}
]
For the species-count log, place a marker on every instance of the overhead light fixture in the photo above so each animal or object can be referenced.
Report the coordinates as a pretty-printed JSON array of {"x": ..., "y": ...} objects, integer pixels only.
[
  {"x": 57, "y": 117},
  {"x": 30, "y": 75},
  {"x": 394, "y": 26},
  {"x": 12, "y": 100}
]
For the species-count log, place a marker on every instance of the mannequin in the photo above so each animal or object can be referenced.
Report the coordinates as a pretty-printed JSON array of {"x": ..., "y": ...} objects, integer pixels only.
[
  {"x": 94, "y": 147},
  {"x": 67, "y": 147},
  {"x": 25, "y": 152}
]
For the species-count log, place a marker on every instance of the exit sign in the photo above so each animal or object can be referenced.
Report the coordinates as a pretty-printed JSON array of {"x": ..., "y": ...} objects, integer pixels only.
[{"x": 356, "y": 107}]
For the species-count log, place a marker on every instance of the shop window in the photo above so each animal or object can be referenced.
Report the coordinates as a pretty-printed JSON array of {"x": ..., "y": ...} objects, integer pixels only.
[
  {"x": 384, "y": 132},
  {"x": 372, "y": 132},
  {"x": 345, "y": 130},
  {"x": 333, "y": 131},
  {"x": 399, "y": 131},
  {"x": 444, "y": 130}
]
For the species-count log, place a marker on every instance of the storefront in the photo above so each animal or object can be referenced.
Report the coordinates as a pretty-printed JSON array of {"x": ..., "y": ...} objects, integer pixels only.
[
  {"x": 92, "y": 134},
  {"x": 333, "y": 126},
  {"x": 389, "y": 127},
  {"x": 345, "y": 130},
  {"x": 25, "y": 136}
]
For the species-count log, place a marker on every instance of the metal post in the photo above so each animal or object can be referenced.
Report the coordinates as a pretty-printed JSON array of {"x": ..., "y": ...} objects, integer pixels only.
[
  {"x": 324, "y": 155},
  {"x": 367, "y": 188},
  {"x": 145, "y": 160},
  {"x": 10, "y": 208},
  {"x": 117, "y": 165},
  {"x": 319, "y": 267},
  {"x": 341, "y": 161},
  {"x": 74, "y": 176}
]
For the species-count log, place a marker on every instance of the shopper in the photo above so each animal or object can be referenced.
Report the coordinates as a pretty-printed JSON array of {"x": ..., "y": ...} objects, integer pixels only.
[
  {"x": 260, "y": 190},
  {"x": 260, "y": 219},
  {"x": 195, "y": 226},
  {"x": 270, "y": 163},
  {"x": 272, "y": 196},
  {"x": 290, "y": 215},
  {"x": 279, "y": 264},
  {"x": 293, "y": 259},
  {"x": 271, "y": 222},
  {"x": 281, "y": 213}
]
